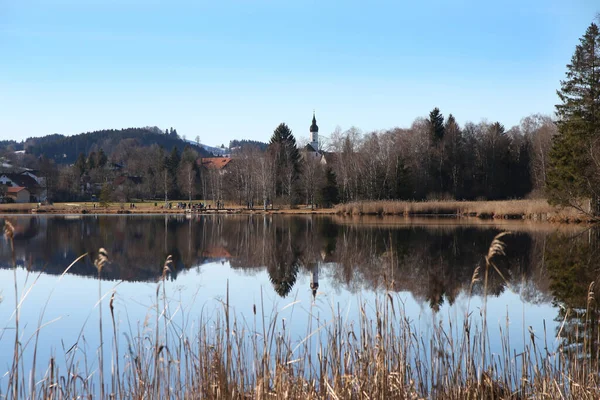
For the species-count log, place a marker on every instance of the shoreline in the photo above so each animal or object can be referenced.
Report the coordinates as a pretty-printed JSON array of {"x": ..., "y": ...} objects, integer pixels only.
[{"x": 530, "y": 210}]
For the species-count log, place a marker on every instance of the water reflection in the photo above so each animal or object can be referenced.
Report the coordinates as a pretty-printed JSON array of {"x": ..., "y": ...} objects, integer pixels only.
[
  {"x": 434, "y": 263},
  {"x": 574, "y": 269}
]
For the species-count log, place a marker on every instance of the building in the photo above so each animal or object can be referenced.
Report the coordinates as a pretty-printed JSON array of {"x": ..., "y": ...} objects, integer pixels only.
[
  {"x": 214, "y": 163},
  {"x": 25, "y": 180},
  {"x": 312, "y": 149},
  {"x": 314, "y": 134},
  {"x": 18, "y": 194}
]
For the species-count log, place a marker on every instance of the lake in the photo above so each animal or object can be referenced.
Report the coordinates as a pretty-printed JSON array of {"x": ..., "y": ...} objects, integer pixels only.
[{"x": 299, "y": 268}]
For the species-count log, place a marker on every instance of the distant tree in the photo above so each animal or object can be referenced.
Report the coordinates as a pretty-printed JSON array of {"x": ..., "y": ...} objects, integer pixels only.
[
  {"x": 198, "y": 140},
  {"x": 80, "y": 164},
  {"x": 436, "y": 124},
  {"x": 187, "y": 178},
  {"x": 287, "y": 160},
  {"x": 172, "y": 165},
  {"x": 49, "y": 173},
  {"x": 105, "y": 195},
  {"x": 329, "y": 194},
  {"x": 311, "y": 178},
  {"x": 454, "y": 155},
  {"x": 101, "y": 158},
  {"x": 574, "y": 172}
]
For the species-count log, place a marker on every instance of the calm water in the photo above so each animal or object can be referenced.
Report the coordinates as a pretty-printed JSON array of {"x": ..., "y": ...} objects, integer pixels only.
[{"x": 316, "y": 263}]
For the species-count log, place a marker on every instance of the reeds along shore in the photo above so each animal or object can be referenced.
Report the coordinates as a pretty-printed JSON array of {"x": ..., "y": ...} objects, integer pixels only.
[
  {"x": 534, "y": 210},
  {"x": 219, "y": 355},
  {"x": 538, "y": 210}
]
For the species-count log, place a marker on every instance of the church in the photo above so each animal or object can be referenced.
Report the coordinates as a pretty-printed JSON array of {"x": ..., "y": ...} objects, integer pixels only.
[{"x": 312, "y": 149}]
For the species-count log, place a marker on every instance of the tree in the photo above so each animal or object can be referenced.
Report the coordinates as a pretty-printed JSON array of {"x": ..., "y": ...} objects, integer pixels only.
[
  {"x": 187, "y": 178},
  {"x": 329, "y": 191},
  {"x": 287, "y": 160},
  {"x": 311, "y": 177},
  {"x": 105, "y": 195},
  {"x": 453, "y": 150},
  {"x": 101, "y": 159},
  {"x": 574, "y": 171},
  {"x": 49, "y": 175},
  {"x": 436, "y": 124},
  {"x": 80, "y": 164}
]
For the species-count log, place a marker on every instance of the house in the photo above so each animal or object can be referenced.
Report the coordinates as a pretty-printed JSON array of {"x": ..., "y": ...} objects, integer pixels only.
[
  {"x": 18, "y": 194},
  {"x": 24, "y": 180},
  {"x": 214, "y": 163},
  {"x": 123, "y": 180}
]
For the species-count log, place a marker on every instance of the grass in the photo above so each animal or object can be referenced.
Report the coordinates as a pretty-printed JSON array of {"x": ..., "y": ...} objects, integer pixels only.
[
  {"x": 383, "y": 355},
  {"x": 506, "y": 209},
  {"x": 533, "y": 210}
]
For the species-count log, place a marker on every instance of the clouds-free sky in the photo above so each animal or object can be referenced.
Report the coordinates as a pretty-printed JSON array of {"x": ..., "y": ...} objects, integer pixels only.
[{"x": 235, "y": 69}]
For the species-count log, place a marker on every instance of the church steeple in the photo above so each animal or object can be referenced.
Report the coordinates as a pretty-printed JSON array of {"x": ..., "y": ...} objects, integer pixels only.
[
  {"x": 314, "y": 127},
  {"x": 314, "y": 133}
]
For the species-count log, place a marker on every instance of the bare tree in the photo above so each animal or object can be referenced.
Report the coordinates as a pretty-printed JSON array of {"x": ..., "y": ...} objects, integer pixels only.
[
  {"x": 311, "y": 177},
  {"x": 186, "y": 178}
]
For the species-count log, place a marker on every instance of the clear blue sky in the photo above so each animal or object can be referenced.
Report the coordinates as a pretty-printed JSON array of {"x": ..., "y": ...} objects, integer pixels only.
[{"x": 236, "y": 69}]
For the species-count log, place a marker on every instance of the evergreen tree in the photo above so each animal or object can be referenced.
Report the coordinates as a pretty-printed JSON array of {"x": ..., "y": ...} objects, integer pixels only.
[
  {"x": 101, "y": 159},
  {"x": 574, "y": 172},
  {"x": 80, "y": 164},
  {"x": 436, "y": 124},
  {"x": 329, "y": 192},
  {"x": 287, "y": 160}
]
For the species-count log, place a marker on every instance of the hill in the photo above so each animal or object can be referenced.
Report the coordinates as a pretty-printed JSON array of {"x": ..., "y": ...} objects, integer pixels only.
[
  {"x": 65, "y": 149},
  {"x": 240, "y": 144}
]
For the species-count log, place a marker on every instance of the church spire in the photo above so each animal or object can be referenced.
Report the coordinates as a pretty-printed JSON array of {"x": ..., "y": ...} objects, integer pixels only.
[{"x": 314, "y": 127}]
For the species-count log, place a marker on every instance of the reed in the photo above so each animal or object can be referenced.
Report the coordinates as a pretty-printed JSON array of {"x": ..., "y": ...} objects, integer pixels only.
[
  {"x": 506, "y": 209},
  {"x": 221, "y": 355}
]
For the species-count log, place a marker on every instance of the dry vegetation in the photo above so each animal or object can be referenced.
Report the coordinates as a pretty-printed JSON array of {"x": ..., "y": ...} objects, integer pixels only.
[
  {"x": 222, "y": 356},
  {"x": 506, "y": 209},
  {"x": 534, "y": 210}
]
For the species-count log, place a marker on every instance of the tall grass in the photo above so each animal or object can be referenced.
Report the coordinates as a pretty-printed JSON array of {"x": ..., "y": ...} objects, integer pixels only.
[
  {"x": 508, "y": 209},
  {"x": 221, "y": 355}
]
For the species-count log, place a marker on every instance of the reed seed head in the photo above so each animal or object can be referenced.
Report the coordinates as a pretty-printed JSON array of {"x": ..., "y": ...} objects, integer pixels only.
[
  {"x": 101, "y": 260},
  {"x": 167, "y": 266},
  {"x": 9, "y": 230},
  {"x": 497, "y": 247}
]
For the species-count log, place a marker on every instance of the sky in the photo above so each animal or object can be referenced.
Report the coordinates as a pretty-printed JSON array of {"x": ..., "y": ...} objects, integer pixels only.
[{"x": 226, "y": 70}]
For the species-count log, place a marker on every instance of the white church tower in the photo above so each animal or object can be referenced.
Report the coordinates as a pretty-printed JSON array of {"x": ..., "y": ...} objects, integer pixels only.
[{"x": 314, "y": 134}]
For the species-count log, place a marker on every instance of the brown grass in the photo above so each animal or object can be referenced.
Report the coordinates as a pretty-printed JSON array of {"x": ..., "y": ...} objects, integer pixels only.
[
  {"x": 506, "y": 209},
  {"x": 383, "y": 355}
]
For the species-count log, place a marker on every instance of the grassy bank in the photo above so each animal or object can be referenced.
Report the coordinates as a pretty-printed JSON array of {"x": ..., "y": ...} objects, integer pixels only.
[
  {"x": 148, "y": 208},
  {"x": 384, "y": 355},
  {"x": 538, "y": 210},
  {"x": 533, "y": 210}
]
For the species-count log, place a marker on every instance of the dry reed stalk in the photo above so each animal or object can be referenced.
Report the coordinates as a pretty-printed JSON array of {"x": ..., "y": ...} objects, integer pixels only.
[{"x": 100, "y": 261}]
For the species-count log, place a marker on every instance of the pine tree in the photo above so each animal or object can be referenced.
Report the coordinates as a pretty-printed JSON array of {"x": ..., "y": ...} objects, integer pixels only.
[
  {"x": 80, "y": 164},
  {"x": 574, "y": 172},
  {"x": 101, "y": 158},
  {"x": 287, "y": 159},
  {"x": 329, "y": 193},
  {"x": 436, "y": 124}
]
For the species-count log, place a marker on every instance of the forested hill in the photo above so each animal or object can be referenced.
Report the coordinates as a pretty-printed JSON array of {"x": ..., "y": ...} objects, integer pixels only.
[
  {"x": 65, "y": 149},
  {"x": 244, "y": 143}
]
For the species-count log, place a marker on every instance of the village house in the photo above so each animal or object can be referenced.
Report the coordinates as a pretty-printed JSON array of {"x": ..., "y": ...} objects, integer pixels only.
[
  {"x": 214, "y": 163},
  {"x": 27, "y": 180},
  {"x": 18, "y": 194}
]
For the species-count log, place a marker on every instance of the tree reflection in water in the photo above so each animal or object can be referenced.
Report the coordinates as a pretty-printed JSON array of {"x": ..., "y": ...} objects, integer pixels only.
[
  {"x": 433, "y": 262},
  {"x": 574, "y": 268}
]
